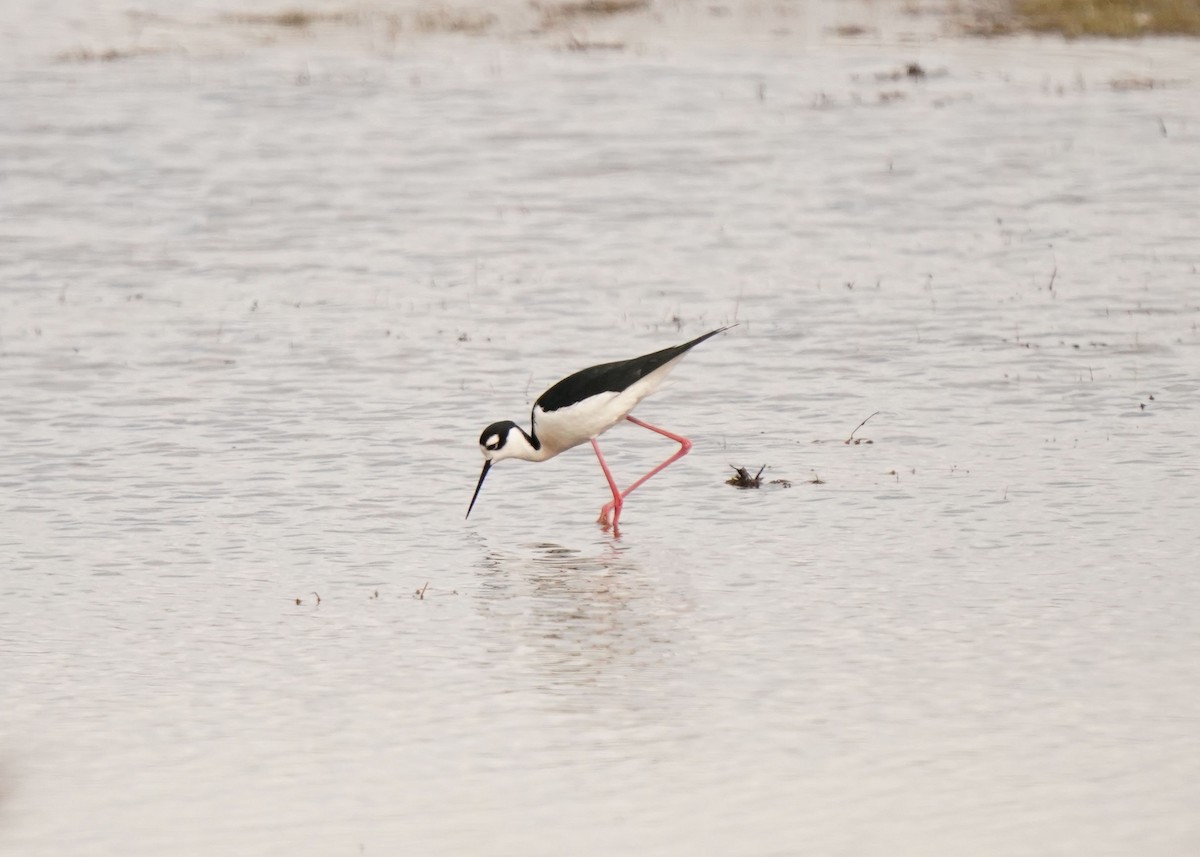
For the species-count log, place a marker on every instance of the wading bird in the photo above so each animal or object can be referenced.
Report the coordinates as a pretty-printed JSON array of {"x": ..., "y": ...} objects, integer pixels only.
[{"x": 583, "y": 406}]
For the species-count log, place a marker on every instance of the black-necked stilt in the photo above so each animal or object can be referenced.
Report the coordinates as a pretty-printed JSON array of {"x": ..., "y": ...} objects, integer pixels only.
[{"x": 582, "y": 406}]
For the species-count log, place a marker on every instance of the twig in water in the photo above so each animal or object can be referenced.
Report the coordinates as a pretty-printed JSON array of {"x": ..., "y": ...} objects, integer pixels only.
[
  {"x": 856, "y": 428},
  {"x": 420, "y": 593}
]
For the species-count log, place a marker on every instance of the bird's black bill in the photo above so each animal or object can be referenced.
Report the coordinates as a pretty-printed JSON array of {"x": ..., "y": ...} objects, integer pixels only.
[{"x": 486, "y": 466}]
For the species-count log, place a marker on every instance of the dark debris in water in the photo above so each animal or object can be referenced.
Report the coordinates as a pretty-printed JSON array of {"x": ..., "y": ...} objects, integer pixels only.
[
  {"x": 1128, "y": 84},
  {"x": 909, "y": 71},
  {"x": 595, "y": 8},
  {"x": 850, "y": 31},
  {"x": 83, "y": 55},
  {"x": 741, "y": 478},
  {"x": 295, "y": 18},
  {"x": 420, "y": 594},
  {"x": 852, "y": 440}
]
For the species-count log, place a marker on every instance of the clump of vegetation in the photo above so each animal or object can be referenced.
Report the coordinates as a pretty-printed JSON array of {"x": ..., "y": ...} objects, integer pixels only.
[
  {"x": 1121, "y": 18},
  {"x": 1079, "y": 18},
  {"x": 575, "y": 44},
  {"x": 296, "y": 18},
  {"x": 110, "y": 55},
  {"x": 448, "y": 21},
  {"x": 850, "y": 31},
  {"x": 603, "y": 7},
  {"x": 742, "y": 478},
  {"x": 564, "y": 12}
]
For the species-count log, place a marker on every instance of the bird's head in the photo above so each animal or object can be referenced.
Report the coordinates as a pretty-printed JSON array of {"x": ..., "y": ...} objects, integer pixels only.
[{"x": 494, "y": 445}]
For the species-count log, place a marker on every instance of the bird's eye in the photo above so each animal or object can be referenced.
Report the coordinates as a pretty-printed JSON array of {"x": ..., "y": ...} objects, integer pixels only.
[{"x": 492, "y": 442}]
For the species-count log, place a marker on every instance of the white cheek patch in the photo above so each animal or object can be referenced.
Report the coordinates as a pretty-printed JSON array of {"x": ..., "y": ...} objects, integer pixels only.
[{"x": 492, "y": 442}]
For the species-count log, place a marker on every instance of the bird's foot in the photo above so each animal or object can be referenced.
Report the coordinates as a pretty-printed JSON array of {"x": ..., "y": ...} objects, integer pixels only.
[{"x": 609, "y": 511}]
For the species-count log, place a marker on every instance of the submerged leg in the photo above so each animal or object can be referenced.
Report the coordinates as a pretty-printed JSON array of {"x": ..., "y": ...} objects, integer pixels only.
[
  {"x": 615, "y": 505},
  {"x": 685, "y": 447}
]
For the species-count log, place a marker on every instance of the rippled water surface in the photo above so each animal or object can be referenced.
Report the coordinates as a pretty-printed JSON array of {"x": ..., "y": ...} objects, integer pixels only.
[{"x": 256, "y": 306}]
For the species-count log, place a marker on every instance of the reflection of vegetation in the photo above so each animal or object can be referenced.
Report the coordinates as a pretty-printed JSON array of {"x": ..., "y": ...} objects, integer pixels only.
[
  {"x": 447, "y": 21},
  {"x": 603, "y": 7},
  {"x": 110, "y": 55},
  {"x": 298, "y": 18},
  {"x": 1076, "y": 18},
  {"x": 592, "y": 9}
]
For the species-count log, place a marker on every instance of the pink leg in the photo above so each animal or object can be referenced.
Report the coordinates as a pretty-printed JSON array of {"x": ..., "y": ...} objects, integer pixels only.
[
  {"x": 616, "y": 492},
  {"x": 685, "y": 447}
]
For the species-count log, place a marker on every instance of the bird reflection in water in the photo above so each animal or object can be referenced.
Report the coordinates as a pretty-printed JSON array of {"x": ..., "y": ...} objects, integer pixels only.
[{"x": 580, "y": 618}]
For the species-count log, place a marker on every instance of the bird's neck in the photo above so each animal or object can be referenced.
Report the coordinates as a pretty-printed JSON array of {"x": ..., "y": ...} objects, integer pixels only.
[{"x": 525, "y": 446}]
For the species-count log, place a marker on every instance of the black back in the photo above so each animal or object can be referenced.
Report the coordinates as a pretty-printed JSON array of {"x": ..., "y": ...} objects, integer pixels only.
[{"x": 612, "y": 377}]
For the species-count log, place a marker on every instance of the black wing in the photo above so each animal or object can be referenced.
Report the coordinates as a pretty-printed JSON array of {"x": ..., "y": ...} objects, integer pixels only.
[{"x": 612, "y": 377}]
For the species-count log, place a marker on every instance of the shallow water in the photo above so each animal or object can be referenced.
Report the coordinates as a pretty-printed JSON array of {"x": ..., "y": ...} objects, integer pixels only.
[{"x": 257, "y": 306}]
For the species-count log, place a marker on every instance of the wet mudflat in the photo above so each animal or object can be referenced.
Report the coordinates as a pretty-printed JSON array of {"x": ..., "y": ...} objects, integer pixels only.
[{"x": 258, "y": 305}]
